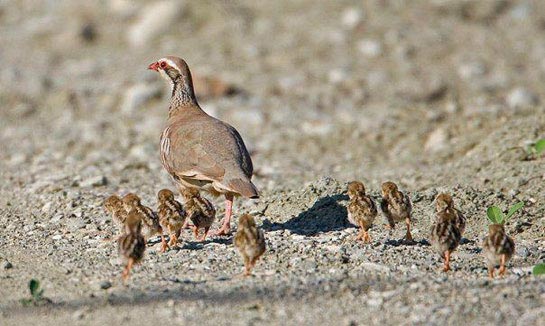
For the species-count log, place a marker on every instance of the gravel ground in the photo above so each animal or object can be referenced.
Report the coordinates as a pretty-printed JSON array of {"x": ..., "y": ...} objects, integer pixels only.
[{"x": 434, "y": 95}]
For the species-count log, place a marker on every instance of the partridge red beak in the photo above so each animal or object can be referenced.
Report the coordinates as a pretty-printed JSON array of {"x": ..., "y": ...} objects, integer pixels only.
[{"x": 154, "y": 66}]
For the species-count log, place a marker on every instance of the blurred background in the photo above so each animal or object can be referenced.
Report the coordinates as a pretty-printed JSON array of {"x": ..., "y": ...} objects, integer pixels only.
[
  {"x": 352, "y": 89},
  {"x": 435, "y": 95}
]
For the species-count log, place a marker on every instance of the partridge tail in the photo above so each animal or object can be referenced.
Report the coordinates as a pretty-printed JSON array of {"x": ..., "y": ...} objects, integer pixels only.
[{"x": 244, "y": 187}]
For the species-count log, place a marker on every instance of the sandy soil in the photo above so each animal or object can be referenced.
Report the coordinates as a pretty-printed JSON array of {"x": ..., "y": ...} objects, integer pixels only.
[{"x": 433, "y": 95}]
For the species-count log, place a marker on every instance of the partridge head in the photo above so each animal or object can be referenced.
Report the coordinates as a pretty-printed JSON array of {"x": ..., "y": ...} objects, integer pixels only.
[{"x": 443, "y": 202}]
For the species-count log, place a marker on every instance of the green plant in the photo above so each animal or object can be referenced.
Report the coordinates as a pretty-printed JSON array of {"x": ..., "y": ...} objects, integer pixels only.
[
  {"x": 530, "y": 152},
  {"x": 36, "y": 294},
  {"x": 536, "y": 148},
  {"x": 539, "y": 269},
  {"x": 496, "y": 216}
]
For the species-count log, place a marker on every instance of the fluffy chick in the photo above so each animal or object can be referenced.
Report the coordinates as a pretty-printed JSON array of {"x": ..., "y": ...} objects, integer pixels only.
[
  {"x": 131, "y": 245},
  {"x": 445, "y": 203},
  {"x": 171, "y": 214},
  {"x": 445, "y": 235},
  {"x": 498, "y": 248},
  {"x": 249, "y": 241},
  {"x": 199, "y": 210},
  {"x": 396, "y": 207},
  {"x": 150, "y": 220},
  {"x": 114, "y": 206},
  {"x": 361, "y": 210}
]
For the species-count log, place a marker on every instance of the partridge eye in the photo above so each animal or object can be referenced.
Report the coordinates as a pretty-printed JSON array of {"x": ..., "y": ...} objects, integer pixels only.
[{"x": 163, "y": 65}]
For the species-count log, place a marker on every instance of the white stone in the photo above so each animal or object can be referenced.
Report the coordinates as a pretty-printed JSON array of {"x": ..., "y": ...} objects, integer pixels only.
[
  {"x": 351, "y": 17},
  {"x": 370, "y": 48},
  {"x": 46, "y": 208},
  {"x": 97, "y": 181},
  {"x": 437, "y": 140},
  {"x": 137, "y": 95},
  {"x": 521, "y": 97},
  {"x": 154, "y": 19}
]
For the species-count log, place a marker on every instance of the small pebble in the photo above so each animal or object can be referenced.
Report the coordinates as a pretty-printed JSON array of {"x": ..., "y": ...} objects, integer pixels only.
[
  {"x": 104, "y": 285},
  {"x": 521, "y": 97},
  {"x": 8, "y": 265}
]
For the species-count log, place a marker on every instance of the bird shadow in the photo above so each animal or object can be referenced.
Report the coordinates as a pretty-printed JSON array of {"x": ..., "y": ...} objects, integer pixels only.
[
  {"x": 327, "y": 214},
  {"x": 184, "y": 244},
  {"x": 405, "y": 242}
]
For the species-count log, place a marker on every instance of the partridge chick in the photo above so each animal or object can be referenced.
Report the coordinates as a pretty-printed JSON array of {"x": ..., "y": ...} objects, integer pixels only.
[
  {"x": 445, "y": 235},
  {"x": 361, "y": 210},
  {"x": 396, "y": 207},
  {"x": 171, "y": 214},
  {"x": 199, "y": 210},
  {"x": 114, "y": 206},
  {"x": 445, "y": 203},
  {"x": 131, "y": 245},
  {"x": 150, "y": 220},
  {"x": 498, "y": 248},
  {"x": 249, "y": 241}
]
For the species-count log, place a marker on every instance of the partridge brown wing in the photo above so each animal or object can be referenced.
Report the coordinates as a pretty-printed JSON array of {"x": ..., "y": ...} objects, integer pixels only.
[{"x": 206, "y": 149}]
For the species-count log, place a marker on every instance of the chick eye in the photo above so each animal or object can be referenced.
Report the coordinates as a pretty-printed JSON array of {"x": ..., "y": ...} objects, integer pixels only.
[{"x": 163, "y": 65}]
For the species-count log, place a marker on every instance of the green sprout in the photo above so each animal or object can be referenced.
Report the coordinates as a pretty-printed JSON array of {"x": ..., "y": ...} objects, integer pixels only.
[
  {"x": 496, "y": 216},
  {"x": 536, "y": 149},
  {"x": 36, "y": 294},
  {"x": 531, "y": 152},
  {"x": 539, "y": 269}
]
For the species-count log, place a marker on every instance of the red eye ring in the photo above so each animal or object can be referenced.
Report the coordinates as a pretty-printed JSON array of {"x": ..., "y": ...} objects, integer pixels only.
[{"x": 163, "y": 64}]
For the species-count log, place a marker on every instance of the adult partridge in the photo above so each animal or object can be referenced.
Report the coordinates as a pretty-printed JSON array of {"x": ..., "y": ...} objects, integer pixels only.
[{"x": 200, "y": 151}]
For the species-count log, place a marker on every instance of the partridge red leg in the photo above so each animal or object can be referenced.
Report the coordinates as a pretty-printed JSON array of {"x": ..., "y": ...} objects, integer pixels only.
[{"x": 226, "y": 225}]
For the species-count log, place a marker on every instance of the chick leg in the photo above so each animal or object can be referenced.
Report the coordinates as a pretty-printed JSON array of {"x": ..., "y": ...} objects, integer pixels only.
[
  {"x": 247, "y": 266},
  {"x": 253, "y": 261},
  {"x": 196, "y": 232},
  {"x": 173, "y": 239},
  {"x": 226, "y": 225},
  {"x": 359, "y": 236},
  {"x": 205, "y": 234},
  {"x": 491, "y": 271},
  {"x": 164, "y": 244},
  {"x": 366, "y": 236},
  {"x": 446, "y": 268},
  {"x": 127, "y": 270},
  {"x": 502, "y": 265},
  {"x": 408, "y": 236}
]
